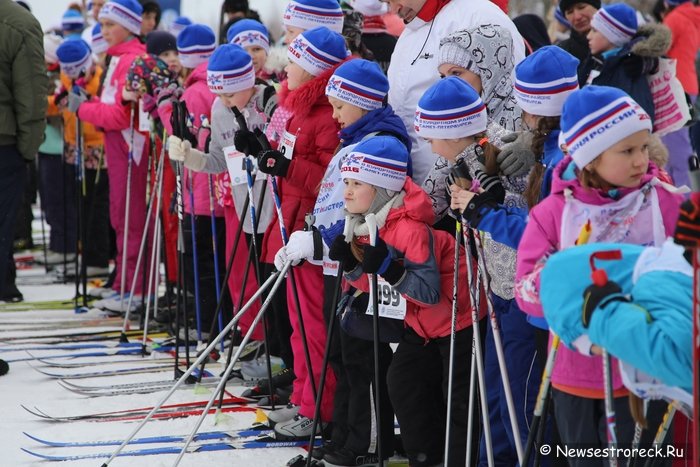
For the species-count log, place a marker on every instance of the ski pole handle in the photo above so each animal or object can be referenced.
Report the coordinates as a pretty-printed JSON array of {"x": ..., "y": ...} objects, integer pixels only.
[{"x": 240, "y": 119}]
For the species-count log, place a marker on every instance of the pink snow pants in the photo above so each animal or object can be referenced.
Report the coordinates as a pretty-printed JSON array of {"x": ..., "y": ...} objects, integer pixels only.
[{"x": 309, "y": 281}]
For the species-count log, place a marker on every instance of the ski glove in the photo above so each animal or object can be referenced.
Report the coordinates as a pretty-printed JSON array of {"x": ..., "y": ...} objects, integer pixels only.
[
  {"x": 273, "y": 163},
  {"x": 598, "y": 296},
  {"x": 266, "y": 102},
  {"x": 75, "y": 99},
  {"x": 340, "y": 251},
  {"x": 182, "y": 151},
  {"x": 377, "y": 260},
  {"x": 516, "y": 157},
  {"x": 302, "y": 244},
  {"x": 247, "y": 142},
  {"x": 688, "y": 225}
]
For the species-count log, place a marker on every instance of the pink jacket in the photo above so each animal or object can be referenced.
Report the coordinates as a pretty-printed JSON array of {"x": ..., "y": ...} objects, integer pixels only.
[
  {"x": 541, "y": 239},
  {"x": 199, "y": 100}
]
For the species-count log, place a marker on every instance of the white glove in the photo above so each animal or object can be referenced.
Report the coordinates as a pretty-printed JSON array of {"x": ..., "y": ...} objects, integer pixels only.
[
  {"x": 281, "y": 258},
  {"x": 300, "y": 246},
  {"x": 182, "y": 151}
]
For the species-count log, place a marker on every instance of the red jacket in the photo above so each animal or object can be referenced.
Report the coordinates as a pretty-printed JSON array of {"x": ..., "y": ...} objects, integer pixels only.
[
  {"x": 684, "y": 23},
  {"x": 428, "y": 283},
  {"x": 316, "y": 140}
]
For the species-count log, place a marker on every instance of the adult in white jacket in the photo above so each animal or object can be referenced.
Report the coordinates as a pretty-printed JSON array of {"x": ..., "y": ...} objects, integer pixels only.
[{"x": 414, "y": 64}]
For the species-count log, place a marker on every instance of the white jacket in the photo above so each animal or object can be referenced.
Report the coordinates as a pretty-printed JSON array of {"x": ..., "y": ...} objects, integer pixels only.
[{"x": 411, "y": 72}]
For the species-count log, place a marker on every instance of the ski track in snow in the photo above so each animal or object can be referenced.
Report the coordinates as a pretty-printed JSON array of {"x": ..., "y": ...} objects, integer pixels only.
[{"x": 24, "y": 385}]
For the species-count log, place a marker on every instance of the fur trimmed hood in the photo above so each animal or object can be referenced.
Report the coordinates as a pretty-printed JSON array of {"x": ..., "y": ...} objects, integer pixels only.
[
  {"x": 652, "y": 40},
  {"x": 302, "y": 99}
]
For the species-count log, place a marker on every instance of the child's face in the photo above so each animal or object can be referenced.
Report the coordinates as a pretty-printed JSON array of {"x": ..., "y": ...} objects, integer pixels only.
[
  {"x": 449, "y": 69},
  {"x": 598, "y": 43},
  {"x": 291, "y": 33},
  {"x": 529, "y": 122},
  {"x": 114, "y": 33},
  {"x": 148, "y": 22},
  {"x": 358, "y": 196},
  {"x": 258, "y": 55},
  {"x": 450, "y": 148},
  {"x": 624, "y": 164},
  {"x": 345, "y": 114},
  {"x": 237, "y": 99},
  {"x": 296, "y": 76},
  {"x": 172, "y": 59}
]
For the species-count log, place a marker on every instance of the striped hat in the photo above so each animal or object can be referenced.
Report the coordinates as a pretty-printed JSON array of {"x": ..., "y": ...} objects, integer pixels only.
[
  {"x": 370, "y": 7},
  {"x": 317, "y": 50},
  {"x": 75, "y": 57},
  {"x": 126, "y": 13},
  {"x": 381, "y": 161},
  {"x": 595, "y": 118},
  {"x": 179, "y": 25},
  {"x": 308, "y": 14},
  {"x": 98, "y": 44},
  {"x": 72, "y": 21},
  {"x": 195, "y": 44},
  {"x": 544, "y": 80},
  {"x": 617, "y": 22},
  {"x": 360, "y": 83},
  {"x": 230, "y": 70},
  {"x": 249, "y": 33},
  {"x": 450, "y": 109}
]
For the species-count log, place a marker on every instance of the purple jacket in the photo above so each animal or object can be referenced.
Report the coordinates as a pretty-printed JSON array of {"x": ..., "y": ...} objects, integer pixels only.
[{"x": 541, "y": 239}]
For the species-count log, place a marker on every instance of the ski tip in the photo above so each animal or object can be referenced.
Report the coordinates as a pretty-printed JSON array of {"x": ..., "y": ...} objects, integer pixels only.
[{"x": 36, "y": 454}]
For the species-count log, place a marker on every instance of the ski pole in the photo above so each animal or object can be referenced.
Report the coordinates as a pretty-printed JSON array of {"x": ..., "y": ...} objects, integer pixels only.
[
  {"x": 195, "y": 259},
  {"x": 662, "y": 431},
  {"x": 273, "y": 278},
  {"x": 476, "y": 305},
  {"x": 127, "y": 204},
  {"x": 453, "y": 331},
  {"x": 78, "y": 214},
  {"x": 229, "y": 368},
  {"x": 215, "y": 253}
]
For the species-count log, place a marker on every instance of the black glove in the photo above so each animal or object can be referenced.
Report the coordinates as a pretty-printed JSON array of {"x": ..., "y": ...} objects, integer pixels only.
[
  {"x": 179, "y": 122},
  {"x": 636, "y": 65},
  {"x": 273, "y": 162},
  {"x": 340, "y": 251},
  {"x": 377, "y": 260},
  {"x": 247, "y": 142},
  {"x": 266, "y": 102},
  {"x": 599, "y": 295}
]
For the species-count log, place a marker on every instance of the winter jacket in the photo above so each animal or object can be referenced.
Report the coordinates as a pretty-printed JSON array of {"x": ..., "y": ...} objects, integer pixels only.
[
  {"x": 414, "y": 63},
  {"x": 651, "y": 41},
  {"x": 652, "y": 331},
  {"x": 23, "y": 80},
  {"x": 428, "y": 256},
  {"x": 329, "y": 207},
  {"x": 316, "y": 133},
  {"x": 92, "y": 137},
  {"x": 684, "y": 23},
  {"x": 223, "y": 129},
  {"x": 576, "y": 45},
  {"x": 542, "y": 238},
  {"x": 199, "y": 101}
]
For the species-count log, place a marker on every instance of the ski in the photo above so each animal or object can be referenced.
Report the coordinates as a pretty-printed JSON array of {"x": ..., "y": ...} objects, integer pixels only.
[
  {"x": 103, "y": 373},
  {"x": 65, "y": 365},
  {"x": 169, "y": 408},
  {"x": 88, "y": 335},
  {"x": 77, "y": 346},
  {"x": 102, "y": 353},
  {"x": 168, "y": 415},
  {"x": 134, "y": 388},
  {"x": 208, "y": 447},
  {"x": 199, "y": 437},
  {"x": 67, "y": 304}
]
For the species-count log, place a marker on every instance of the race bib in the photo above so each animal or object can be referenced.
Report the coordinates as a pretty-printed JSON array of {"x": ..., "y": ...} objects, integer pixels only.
[
  {"x": 287, "y": 144},
  {"x": 144, "y": 119},
  {"x": 234, "y": 164},
  {"x": 391, "y": 303}
]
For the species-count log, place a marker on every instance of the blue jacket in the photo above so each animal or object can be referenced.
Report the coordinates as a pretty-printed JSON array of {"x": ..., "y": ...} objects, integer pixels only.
[{"x": 653, "y": 331}]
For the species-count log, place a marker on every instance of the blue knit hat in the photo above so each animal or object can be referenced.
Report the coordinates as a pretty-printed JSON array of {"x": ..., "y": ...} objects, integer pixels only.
[
  {"x": 381, "y": 161},
  {"x": 249, "y": 33},
  {"x": 195, "y": 44},
  {"x": 544, "y": 80},
  {"x": 230, "y": 70},
  {"x": 98, "y": 44},
  {"x": 179, "y": 25},
  {"x": 676, "y": 2},
  {"x": 317, "y": 50},
  {"x": 359, "y": 82},
  {"x": 126, "y": 13},
  {"x": 559, "y": 16},
  {"x": 308, "y": 14},
  {"x": 595, "y": 118},
  {"x": 450, "y": 109},
  {"x": 75, "y": 57},
  {"x": 617, "y": 22},
  {"x": 72, "y": 21}
]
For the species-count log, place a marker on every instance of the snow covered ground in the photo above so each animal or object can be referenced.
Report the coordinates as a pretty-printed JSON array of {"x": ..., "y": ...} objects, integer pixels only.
[{"x": 23, "y": 385}]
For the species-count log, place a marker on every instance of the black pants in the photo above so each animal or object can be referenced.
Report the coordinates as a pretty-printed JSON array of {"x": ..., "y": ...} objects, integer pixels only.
[
  {"x": 352, "y": 360},
  {"x": 418, "y": 378},
  {"x": 12, "y": 180},
  {"x": 23, "y": 227},
  {"x": 278, "y": 319},
  {"x": 582, "y": 424},
  {"x": 205, "y": 266}
]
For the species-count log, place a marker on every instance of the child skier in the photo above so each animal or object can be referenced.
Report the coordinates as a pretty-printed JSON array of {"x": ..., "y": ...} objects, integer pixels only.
[
  {"x": 609, "y": 188},
  {"x": 255, "y": 39}
]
